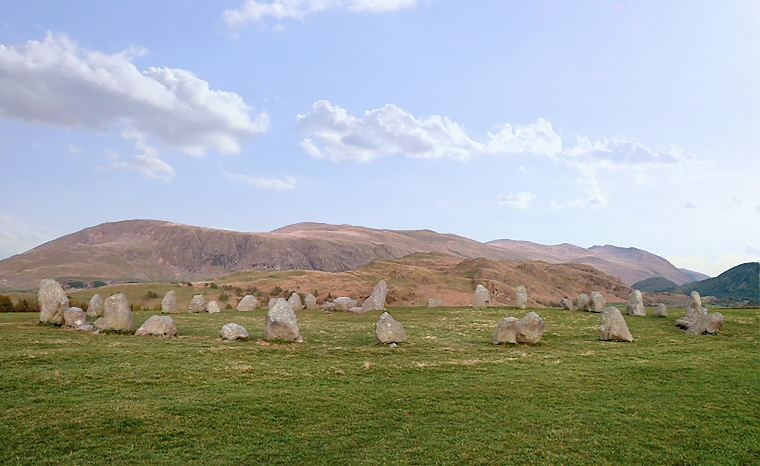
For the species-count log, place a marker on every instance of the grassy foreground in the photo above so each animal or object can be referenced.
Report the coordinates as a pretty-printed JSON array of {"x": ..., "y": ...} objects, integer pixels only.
[{"x": 446, "y": 397}]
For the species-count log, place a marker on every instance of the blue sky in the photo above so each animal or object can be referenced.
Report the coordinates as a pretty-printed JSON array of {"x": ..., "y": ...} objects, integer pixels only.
[{"x": 599, "y": 122}]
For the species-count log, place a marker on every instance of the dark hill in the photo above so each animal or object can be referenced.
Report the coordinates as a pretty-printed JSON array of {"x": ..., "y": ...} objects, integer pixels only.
[
  {"x": 740, "y": 284},
  {"x": 655, "y": 285}
]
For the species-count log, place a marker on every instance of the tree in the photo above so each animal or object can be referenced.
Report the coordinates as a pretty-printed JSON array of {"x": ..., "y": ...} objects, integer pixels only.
[{"x": 6, "y": 305}]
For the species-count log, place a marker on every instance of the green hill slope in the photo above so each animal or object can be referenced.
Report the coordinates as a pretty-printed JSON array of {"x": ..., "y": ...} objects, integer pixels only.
[{"x": 740, "y": 284}]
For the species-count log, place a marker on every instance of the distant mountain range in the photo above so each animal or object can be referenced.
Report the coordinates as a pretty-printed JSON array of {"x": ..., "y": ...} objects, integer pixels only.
[{"x": 158, "y": 251}]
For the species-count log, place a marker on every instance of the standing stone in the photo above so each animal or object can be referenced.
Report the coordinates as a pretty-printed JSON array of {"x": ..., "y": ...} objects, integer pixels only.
[
  {"x": 197, "y": 304},
  {"x": 660, "y": 311},
  {"x": 506, "y": 331},
  {"x": 530, "y": 329},
  {"x": 567, "y": 304},
  {"x": 159, "y": 326},
  {"x": 116, "y": 316},
  {"x": 597, "y": 303},
  {"x": 581, "y": 303},
  {"x": 169, "y": 303},
  {"x": 74, "y": 317},
  {"x": 707, "y": 325},
  {"x": 613, "y": 326},
  {"x": 482, "y": 297},
  {"x": 281, "y": 323},
  {"x": 233, "y": 331},
  {"x": 96, "y": 306},
  {"x": 310, "y": 302},
  {"x": 344, "y": 303},
  {"x": 248, "y": 303},
  {"x": 433, "y": 303},
  {"x": 212, "y": 307},
  {"x": 271, "y": 302},
  {"x": 521, "y": 297},
  {"x": 695, "y": 311},
  {"x": 295, "y": 302},
  {"x": 389, "y": 330},
  {"x": 376, "y": 301},
  {"x": 53, "y": 301},
  {"x": 636, "y": 304}
]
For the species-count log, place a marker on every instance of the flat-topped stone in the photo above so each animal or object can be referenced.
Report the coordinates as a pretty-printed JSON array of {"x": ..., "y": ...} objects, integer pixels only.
[
  {"x": 158, "y": 326},
  {"x": 344, "y": 303},
  {"x": 433, "y": 303}
]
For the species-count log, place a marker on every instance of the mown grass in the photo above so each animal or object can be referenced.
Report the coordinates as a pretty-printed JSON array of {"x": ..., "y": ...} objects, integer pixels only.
[{"x": 445, "y": 397}]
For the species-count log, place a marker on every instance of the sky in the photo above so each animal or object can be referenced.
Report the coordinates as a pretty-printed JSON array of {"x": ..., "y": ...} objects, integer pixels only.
[{"x": 586, "y": 122}]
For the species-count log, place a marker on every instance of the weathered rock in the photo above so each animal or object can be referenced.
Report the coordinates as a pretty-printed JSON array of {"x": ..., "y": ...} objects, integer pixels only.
[
  {"x": 695, "y": 311},
  {"x": 53, "y": 301},
  {"x": 328, "y": 306},
  {"x": 530, "y": 329},
  {"x": 159, "y": 326},
  {"x": 295, "y": 302},
  {"x": 432, "y": 303},
  {"x": 660, "y": 311},
  {"x": 389, "y": 330},
  {"x": 521, "y": 297},
  {"x": 282, "y": 323},
  {"x": 359, "y": 310},
  {"x": 74, "y": 317},
  {"x": 271, "y": 302},
  {"x": 169, "y": 303},
  {"x": 506, "y": 331},
  {"x": 613, "y": 326},
  {"x": 596, "y": 302},
  {"x": 344, "y": 303},
  {"x": 481, "y": 299},
  {"x": 707, "y": 325},
  {"x": 212, "y": 307},
  {"x": 581, "y": 303},
  {"x": 96, "y": 306},
  {"x": 248, "y": 303},
  {"x": 233, "y": 331},
  {"x": 310, "y": 302},
  {"x": 636, "y": 304},
  {"x": 116, "y": 316},
  {"x": 197, "y": 304},
  {"x": 376, "y": 301},
  {"x": 567, "y": 304}
]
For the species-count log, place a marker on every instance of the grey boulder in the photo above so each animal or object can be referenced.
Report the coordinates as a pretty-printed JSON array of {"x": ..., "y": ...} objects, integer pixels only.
[
  {"x": 96, "y": 306},
  {"x": 212, "y": 307},
  {"x": 116, "y": 316},
  {"x": 613, "y": 327},
  {"x": 388, "y": 330},
  {"x": 169, "y": 303},
  {"x": 310, "y": 302},
  {"x": 327, "y": 306},
  {"x": 660, "y": 311},
  {"x": 707, "y": 325},
  {"x": 636, "y": 304},
  {"x": 197, "y": 304},
  {"x": 581, "y": 303},
  {"x": 506, "y": 331},
  {"x": 481, "y": 299},
  {"x": 596, "y": 302},
  {"x": 282, "y": 323},
  {"x": 53, "y": 301},
  {"x": 74, "y": 317},
  {"x": 159, "y": 326},
  {"x": 248, "y": 303},
  {"x": 344, "y": 303},
  {"x": 567, "y": 304},
  {"x": 233, "y": 331},
  {"x": 695, "y": 311},
  {"x": 295, "y": 301},
  {"x": 433, "y": 303},
  {"x": 376, "y": 301},
  {"x": 530, "y": 329}
]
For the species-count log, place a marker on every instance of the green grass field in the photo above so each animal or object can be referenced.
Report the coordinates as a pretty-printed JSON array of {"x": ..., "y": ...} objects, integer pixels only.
[{"x": 445, "y": 397}]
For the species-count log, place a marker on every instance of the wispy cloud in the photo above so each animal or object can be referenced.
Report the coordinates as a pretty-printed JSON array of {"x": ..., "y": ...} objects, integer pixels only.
[
  {"x": 521, "y": 200},
  {"x": 148, "y": 161},
  {"x": 689, "y": 205},
  {"x": 16, "y": 236},
  {"x": 288, "y": 182}
]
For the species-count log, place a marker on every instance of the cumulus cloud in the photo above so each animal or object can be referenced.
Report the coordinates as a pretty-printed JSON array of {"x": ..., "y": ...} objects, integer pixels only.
[
  {"x": 60, "y": 83},
  {"x": 689, "y": 205},
  {"x": 287, "y": 182},
  {"x": 619, "y": 152},
  {"x": 535, "y": 138},
  {"x": 256, "y": 11},
  {"x": 147, "y": 161},
  {"x": 521, "y": 200}
]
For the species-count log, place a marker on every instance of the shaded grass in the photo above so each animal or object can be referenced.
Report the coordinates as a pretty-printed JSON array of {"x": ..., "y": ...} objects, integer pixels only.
[{"x": 446, "y": 397}]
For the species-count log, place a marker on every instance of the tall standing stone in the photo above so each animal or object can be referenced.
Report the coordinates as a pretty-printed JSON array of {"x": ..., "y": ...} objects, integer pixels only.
[
  {"x": 310, "y": 302},
  {"x": 248, "y": 303},
  {"x": 53, "y": 301},
  {"x": 197, "y": 304},
  {"x": 597, "y": 303},
  {"x": 389, "y": 330},
  {"x": 613, "y": 326},
  {"x": 481, "y": 299},
  {"x": 376, "y": 301},
  {"x": 506, "y": 331},
  {"x": 96, "y": 306},
  {"x": 636, "y": 304},
  {"x": 117, "y": 316},
  {"x": 282, "y": 323},
  {"x": 530, "y": 329},
  {"x": 521, "y": 297},
  {"x": 581, "y": 304},
  {"x": 295, "y": 302},
  {"x": 169, "y": 303}
]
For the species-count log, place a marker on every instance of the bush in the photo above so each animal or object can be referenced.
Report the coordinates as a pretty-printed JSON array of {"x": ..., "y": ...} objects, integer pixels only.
[
  {"x": 6, "y": 305},
  {"x": 224, "y": 297},
  {"x": 151, "y": 294},
  {"x": 214, "y": 286},
  {"x": 98, "y": 284},
  {"x": 76, "y": 284},
  {"x": 228, "y": 306},
  {"x": 275, "y": 291},
  {"x": 238, "y": 292}
]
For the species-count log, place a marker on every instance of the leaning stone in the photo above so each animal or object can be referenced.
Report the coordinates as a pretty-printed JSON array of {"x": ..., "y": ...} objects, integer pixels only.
[
  {"x": 116, "y": 316},
  {"x": 597, "y": 303},
  {"x": 327, "y": 306},
  {"x": 521, "y": 297},
  {"x": 567, "y": 304},
  {"x": 506, "y": 331},
  {"x": 660, "y": 311},
  {"x": 376, "y": 301},
  {"x": 197, "y": 304},
  {"x": 707, "y": 325},
  {"x": 212, "y": 307},
  {"x": 295, "y": 302},
  {"x": 248, "y": 303},
  {"x": 282, "y": 323},
  {"x": 636, "y": 304},
  {"x": 53, "y": 302},
  {"x": 233, "y": 331},
  {"x": 613, "y": 326},
  {"x": 96, "y": 306},
  {"x": 74, "y": 317},
  {"x": 530, "y": 328},
  {"x": 159, "y": 326},
  {"x": 581, "y": 303},
  {"x": 344, "y": 303},
  {"x": 481, "y": 299},
  {"x": 432, "y": 303},
  {"x": 169, "y": 303},
  {"x": 389, "y": 330},
  {"x": 310, "y": 302}
]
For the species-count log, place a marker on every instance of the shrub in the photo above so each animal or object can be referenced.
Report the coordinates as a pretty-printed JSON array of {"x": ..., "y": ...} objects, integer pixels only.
[
  {"x": 275, "y": 291},
  {"x": 238, "y": 292},
  {"x": 214, "y": 286},
  {"x": 76, "y": 284},
  {"x": 151, "y": 294},
  {"x": 98, "y": 284},
  {"x": 224, "y": 297},
  {"x": 228, "y": 306},
  {"x": 6, "y": 305}
]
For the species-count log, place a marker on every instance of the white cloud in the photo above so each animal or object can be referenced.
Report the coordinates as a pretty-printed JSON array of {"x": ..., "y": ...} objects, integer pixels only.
[
  {"x": 689, "y": 205},
  {"x": 255, "y": 11},
  {"x": 752, "y": 250},
  {"x": 148, "y": 161},
  {"x": 16, "y": 236},
  {"x": 713, "y": 264},
  {"x": 619, "y": 152},
  {"x": 58, "y": 82},
  {"x": 287, "y": 182},
  {"x": 521, "y": 200},
  {"x": 535, "y": 138}
]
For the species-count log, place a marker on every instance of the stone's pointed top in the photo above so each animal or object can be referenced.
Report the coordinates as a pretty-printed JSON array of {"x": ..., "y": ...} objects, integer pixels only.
[
  {"x": 310, "y": 302},
  {"x": 295, "y": 301},
  {"x": 612, "y": 326},
  {"x": 281, "y": 323},
  {"x": 389, "y": 330}
]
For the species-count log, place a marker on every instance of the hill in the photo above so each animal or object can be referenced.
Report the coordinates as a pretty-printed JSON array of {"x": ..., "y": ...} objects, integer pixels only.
[
  {"x": 740, "y": 284},
  {"x": 655, "y": 285}
]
